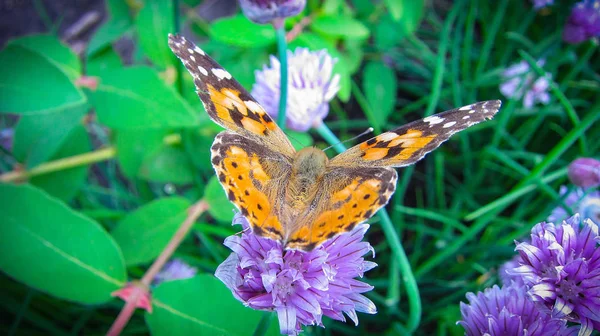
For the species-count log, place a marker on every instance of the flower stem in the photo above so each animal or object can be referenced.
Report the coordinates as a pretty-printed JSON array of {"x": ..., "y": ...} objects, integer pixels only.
[
  {"x": 72, "y": 161},
  {"x": 141, "y": 288},
  {"x": 408, "y": 278},
  {"x": 283, "y": 68}
]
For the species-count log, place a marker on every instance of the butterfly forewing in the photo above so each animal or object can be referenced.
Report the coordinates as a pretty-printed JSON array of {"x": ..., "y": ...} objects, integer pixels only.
[
  {"x": 226, "y": 100},
  {"x": 409, "y": 143}
]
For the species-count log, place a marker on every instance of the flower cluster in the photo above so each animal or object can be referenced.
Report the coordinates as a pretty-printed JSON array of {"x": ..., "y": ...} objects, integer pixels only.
[
  {"x": 587, "y": 204},
  {"x": 561, "y": 267},
  {"x": 174, "y": 270},
  {"x": 583, "y": 23},
  {"x": 555, "y": 279},
  {"x": 507, "y": 311},
  {"x": 300, "y": 286},
  {"x": 585, "y": 172},
  {"x": 263, "y": 11},
  {"x": 521, "y": 83},
  {"x": 310, "y": 87}
]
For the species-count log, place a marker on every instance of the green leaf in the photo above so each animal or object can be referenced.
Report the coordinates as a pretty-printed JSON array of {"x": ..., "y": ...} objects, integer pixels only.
[
  {"x": 219, "y": 205},
  {"x": 37, "y": 138},
  {"x": 135, "y": 146},
  {"x": 154, "y": 22},
  {"x": 340, "y": 26},
  {"x": 168, "y": 164},
  {"x": 408, "y": 13},
  {"x": 201, "y": 305},
  {"x": 52, "y": 49},
  {"x": 197, "y": 143},
  {"x": 103, "y": 61},
  {"x": 315, "y": 42},
  {"x": 30, "y": 83},
  {"x": 144, "y": 233},
  {"x": 65, "y": 184},
  {"x": 119, "y": 23},
  {"x": 241, "y": 32},
  {"x": 48, "y": 246},
  {"x": 137, "y": 98},
  {"x": 379, "y": 86}
]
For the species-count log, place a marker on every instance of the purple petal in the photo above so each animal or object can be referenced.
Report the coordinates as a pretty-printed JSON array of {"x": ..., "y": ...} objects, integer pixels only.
[{"x": 287, "y": 320}]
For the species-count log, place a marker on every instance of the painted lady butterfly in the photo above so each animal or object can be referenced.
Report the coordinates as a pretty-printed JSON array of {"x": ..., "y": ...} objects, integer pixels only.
[{"x": 302, "y": 198}]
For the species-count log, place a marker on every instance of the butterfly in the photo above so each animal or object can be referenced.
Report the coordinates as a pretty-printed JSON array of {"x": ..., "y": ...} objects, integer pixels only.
[{"x": 302, "y": 198}]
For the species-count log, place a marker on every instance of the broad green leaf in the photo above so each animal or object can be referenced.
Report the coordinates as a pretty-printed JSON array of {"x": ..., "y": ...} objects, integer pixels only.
[
  {"x": 52, "y": 49},
  {"x": 52, "y": 248},
  {"x": 65, "y": 184},
  {"x": 168, "y": 164},
  {"x": 144, "y": 233},
  {"x": 241, "y": 32},
  {"x": 340, "y": 26},
  {"x": 108, "y": 33},
  {"x": 31, "y": 83},
  {"x": 137, "y": 98},
  {"x": 387, "y": 33},
  {"x": 119, "y": 23},
  {"x": 379, "y": 86},
  {"x": 201, "y": 305},
  {"x": 154, "y": 22},
  {"x": 37, "y": 138},
  {"x": 197, "y": 143},
  {"x": 219, "y": 205},
  {"x": 100, "y": 62},
  {"x": 135, "y": 146},
  {"x": 315, "y": 42}
]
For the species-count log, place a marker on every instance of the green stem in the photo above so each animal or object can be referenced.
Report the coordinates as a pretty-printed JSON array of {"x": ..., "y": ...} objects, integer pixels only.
[
  {"x": 408, "y": 278},
  {"x": 72, "y": 161},
  {"x": 283, "y": 68}
]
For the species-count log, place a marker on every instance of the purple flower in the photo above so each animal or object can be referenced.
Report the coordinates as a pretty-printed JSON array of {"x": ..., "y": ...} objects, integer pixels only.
[
  {"x": 583, "y": 23},
  {"x": 173, "y": 270},
  {"x": 521, "y": 83},
  {"x": 300, "y": 286},
  {"x": 263, "y": 11},
  {"x": 539, "y": 4},
  {"x": 310, "y": 87},
  {"x": 561, "y": 268},
  {"x": 506, "y": 277},
  {"x": 577, "y": 201},
  {"x": 585, "y": 172},
  {"x": 507, "y": 311}
]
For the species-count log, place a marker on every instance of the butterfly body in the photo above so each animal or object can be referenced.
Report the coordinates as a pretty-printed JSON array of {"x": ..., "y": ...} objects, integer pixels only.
[{"x": 302, "y": 198}]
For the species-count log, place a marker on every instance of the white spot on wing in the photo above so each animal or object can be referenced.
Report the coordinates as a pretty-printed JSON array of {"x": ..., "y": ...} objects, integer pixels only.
[
  {"x": 387, "y": 136},
  {"x": 220, "y": 73},
  {"x": 464, "y": 108},
  {"x": 466, "y": 117},
  {"x": 253, "y": 106},
  {"x": 191, "y": 51},
  {"x": 199, "y": 51},
  {"x": 432, "y": 120},
  {"x": 193, "y": 58},
  {"x": 449, "y": 124},
  {"x": 202, "y": 71}
]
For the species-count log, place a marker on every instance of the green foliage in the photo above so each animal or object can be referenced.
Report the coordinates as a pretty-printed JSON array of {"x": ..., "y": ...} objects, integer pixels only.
[
  {"x": 111, "y": 151},
  {"x": 54, "y": 249}
]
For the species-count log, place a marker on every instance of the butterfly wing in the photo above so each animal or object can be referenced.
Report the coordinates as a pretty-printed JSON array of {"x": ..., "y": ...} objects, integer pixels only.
[
  {"x": 226, "y": 101},
  {"x": 252, "y": 176},
  {"x": 409, "y": 143},
  {"x": 348, "y": 196}
]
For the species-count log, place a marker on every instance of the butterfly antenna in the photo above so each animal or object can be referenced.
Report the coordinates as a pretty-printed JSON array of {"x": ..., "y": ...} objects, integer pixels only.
[{"x": 369, "y": 130}]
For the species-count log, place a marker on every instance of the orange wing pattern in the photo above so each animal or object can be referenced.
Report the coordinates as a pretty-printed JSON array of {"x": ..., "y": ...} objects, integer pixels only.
[
  {"x": 251, "y": 176},
  {"x": 349, "y": 196},
  {"x": 409, "y": 143},
  {"x": 226, "y": 100}
]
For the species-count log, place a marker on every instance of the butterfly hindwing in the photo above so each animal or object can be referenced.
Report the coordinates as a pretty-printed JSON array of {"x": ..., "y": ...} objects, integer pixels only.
[
  {"x": 409, "y": 143},
  {"x": 252, "y": 175},
  {"x": 348, "y": 196}
]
